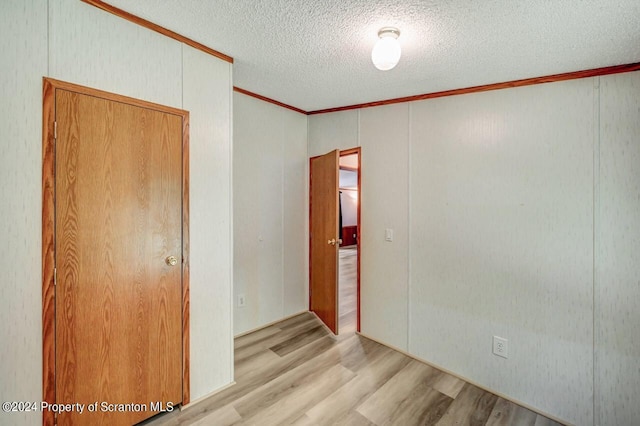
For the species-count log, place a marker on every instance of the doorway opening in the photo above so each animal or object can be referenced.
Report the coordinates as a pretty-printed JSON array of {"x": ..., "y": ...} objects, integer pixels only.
[
  {"x": 349, "y": 248},
  {"x": 334, "y": 235}
]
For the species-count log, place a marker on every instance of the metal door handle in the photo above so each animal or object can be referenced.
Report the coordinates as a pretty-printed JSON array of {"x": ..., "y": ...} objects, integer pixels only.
[
  {"x": 171, "y": 261},
  {"x": 332, "y": 242}
]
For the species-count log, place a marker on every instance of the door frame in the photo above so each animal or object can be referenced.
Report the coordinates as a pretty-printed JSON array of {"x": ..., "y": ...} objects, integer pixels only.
[
  {"x": 48, "y": 231},
  {"x": 358, "y": 151},
  {"x": 342, "y": 153}
]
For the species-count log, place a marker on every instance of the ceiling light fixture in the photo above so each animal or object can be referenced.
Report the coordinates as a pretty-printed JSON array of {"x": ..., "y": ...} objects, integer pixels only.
[{"x": 386, "y": 53}]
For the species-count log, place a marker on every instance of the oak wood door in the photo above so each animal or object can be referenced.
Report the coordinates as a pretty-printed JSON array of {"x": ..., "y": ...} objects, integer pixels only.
[
  {"x": 324, "y": 237},
  {"x": 118, "y": 219}
]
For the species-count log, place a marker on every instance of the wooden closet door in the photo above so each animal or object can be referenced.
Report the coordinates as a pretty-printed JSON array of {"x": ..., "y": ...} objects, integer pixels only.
[
  {"x": 325, "y": 238},
  {"x": 118, "y": 208}
]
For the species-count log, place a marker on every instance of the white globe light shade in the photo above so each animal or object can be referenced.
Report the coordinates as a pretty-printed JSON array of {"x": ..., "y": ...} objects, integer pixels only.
[{"x": 386, "y": 53}]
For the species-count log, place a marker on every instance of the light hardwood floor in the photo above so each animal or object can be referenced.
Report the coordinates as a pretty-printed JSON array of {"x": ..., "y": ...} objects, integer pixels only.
[
  {"x": 297, "y": 373},
  {"x": 347, "y": 289}
]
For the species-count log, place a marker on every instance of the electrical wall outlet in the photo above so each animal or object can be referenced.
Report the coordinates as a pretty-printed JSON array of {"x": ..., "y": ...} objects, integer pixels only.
[
  {"x": 388, "y": 235},
  {"x": 500, "y": 347},
  {"x": 242, "y": 301}
]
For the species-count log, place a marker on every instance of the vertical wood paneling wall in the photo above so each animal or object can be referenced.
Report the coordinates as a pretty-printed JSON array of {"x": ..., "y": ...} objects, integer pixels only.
[
  {"x": 23, "y": 43},
  {"x": 270, "y": 167},
  {"x": 295, "y": 212},
  {"x": 491, "y": 202},
  {"x": 207, "y": 95},
  {"x": 75, "y": 42},
  {"x": 521, "y": 214},
  {"x": 94, "y": 48},
  {"x": 385, "y": 203},
  {"x": 618, "y": 252},
  {"x": 501, "y": 204},
  {"x": 333, "y": 131}
]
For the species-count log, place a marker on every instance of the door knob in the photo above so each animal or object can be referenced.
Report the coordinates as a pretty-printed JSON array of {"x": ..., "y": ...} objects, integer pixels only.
[
  {"x": 332, "y": 242},
  {"x": 171, "y": 261}
]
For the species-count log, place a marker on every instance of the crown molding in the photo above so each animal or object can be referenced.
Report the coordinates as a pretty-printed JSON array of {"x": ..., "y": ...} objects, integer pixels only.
[
  {"x": 157, "y": 28},
  {"x": 616, "y": 69}
]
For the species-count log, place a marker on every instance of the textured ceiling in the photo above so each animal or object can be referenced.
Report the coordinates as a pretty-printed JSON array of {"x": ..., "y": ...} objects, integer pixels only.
[{"x": 315, "y": 54}]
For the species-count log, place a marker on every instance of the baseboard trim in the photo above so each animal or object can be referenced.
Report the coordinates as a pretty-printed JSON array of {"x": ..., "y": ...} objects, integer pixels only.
[
  {"x": 501, "y": 395},
  {"x": 253, "y": 330},
  {"x": 209, "y": 395}
]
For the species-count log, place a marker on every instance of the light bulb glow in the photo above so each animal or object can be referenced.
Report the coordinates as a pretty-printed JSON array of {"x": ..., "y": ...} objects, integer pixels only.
[{"x": 386, "y": 53}]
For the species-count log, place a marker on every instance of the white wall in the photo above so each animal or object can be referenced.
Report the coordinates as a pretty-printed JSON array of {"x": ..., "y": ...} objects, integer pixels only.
[
  {"x": 296, "y": 213},
  {"x": 618, "y": 251},
  {"x": 501, "y": 204},
  {"x": 270, "y": 169},
  {"x": 336, "y": 130},
  {"x": 384, "y": 271},
  {"x": 493, "y": 198},
  {"x": 207, "y": 95},
  {"x": 23, "y": 43},
  {"x": 84, "y": 45}
]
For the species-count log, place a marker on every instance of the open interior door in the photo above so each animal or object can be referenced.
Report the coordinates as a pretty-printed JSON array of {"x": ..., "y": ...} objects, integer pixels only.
[{"x": 324, "y": 238}]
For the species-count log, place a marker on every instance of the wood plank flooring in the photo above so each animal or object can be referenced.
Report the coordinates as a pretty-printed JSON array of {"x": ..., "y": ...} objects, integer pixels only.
[
  {"x": 347, "y": 289},
  {"x": 297, "y": 373}
]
